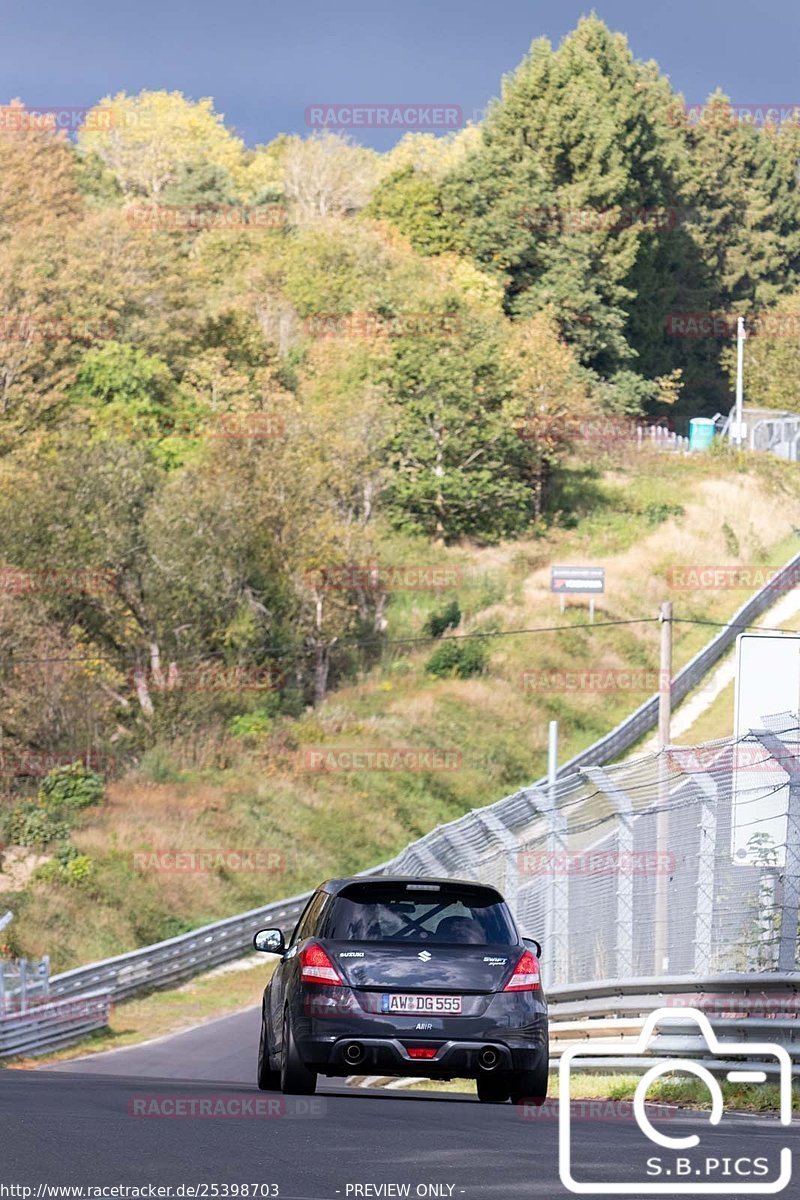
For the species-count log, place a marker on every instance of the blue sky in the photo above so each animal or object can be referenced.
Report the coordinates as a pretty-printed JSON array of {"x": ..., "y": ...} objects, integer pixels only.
[{"x": 265, "y": 61}]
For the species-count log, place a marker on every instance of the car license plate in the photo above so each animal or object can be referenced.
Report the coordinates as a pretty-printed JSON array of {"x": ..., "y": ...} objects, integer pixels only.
[{"x": 413, "y": 1004}]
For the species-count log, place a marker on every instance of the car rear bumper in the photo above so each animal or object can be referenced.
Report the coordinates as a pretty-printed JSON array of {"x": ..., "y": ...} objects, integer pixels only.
[
  {"x": 327, "y": 1020},
  {"x": 390, "y": 1056}
]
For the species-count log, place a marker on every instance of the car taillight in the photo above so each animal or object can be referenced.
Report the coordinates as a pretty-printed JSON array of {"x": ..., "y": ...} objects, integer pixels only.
[
  {"x": 526, "y": 974},
  {"x": 421, "y": 1051},
  {"x": 316, "y": 967}
]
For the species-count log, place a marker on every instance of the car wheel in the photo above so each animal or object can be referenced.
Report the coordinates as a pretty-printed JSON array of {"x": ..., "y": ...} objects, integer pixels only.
[
  {"x": 268, "y": 1080},
  {"x": 296, "y": 1078},
  {"x": 530, "y": 1087},
  {"x": 493, "y": 1089}
]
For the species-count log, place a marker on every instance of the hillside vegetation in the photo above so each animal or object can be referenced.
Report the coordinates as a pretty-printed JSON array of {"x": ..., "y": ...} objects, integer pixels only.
[
  {"x": 279, "y": 426},
  {"x": 282, "y": 787}
]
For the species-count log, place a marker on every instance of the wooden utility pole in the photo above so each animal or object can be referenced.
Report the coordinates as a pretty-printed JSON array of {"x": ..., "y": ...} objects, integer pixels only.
[{"x": 661, "y": 910}]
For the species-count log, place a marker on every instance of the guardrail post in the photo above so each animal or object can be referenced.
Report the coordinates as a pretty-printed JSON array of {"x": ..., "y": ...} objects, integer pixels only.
[
  {"x": 624, "y": 877},
  {"x": 2, "y": 986},
  {"x": 787, "y": 943}
]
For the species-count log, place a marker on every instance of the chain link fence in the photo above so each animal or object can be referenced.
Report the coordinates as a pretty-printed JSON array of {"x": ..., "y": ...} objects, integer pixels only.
[{"x": 685, "y": 862}]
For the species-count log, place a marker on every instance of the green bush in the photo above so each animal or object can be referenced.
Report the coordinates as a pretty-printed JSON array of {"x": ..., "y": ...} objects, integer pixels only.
[
  {"x": 47, "y": 819},
  {"x": 253, "y": 724},
  {"x": 31, "y": 824},
  {"x": 78, "y": 871},
  {"x": 445, "y": 618},
  {"x": 457, "y": 658},
  {"x": 71, "y": 788},
  {"x": 68, "y": 866}
]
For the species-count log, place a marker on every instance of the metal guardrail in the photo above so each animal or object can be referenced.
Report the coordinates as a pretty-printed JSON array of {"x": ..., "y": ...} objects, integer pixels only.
[
  {"x": 51, "y": 1024},
  {"x": 180, "y": 957},
  {"x": 741, "y": 1007}
]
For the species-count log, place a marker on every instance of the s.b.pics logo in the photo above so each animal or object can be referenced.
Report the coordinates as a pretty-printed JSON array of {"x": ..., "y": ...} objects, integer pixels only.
[{"x": 723, "y": 1161}]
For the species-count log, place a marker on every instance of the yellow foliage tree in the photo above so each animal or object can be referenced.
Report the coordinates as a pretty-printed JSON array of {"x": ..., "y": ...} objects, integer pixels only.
[{"x": 146, "y": 139}]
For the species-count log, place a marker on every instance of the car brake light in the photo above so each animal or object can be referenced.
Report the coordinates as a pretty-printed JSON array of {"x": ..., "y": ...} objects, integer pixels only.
[
  {"x": 316, "y": 967},
  {"x": 526, "y": 974},
  {"x": 421, "y": 1051}
]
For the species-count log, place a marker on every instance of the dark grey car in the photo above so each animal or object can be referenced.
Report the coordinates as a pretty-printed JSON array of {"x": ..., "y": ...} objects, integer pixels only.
[{"x": 402, "y": 976}]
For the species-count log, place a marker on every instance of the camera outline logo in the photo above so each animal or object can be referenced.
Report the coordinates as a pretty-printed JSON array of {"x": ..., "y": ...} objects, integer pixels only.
[{"x": 662, "y": 1065}]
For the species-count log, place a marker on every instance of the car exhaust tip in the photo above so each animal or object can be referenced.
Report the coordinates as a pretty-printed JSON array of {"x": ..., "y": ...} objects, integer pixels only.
[
  {"x": 353, "y": 1053},
  {"x": 488, "y": 1058}
]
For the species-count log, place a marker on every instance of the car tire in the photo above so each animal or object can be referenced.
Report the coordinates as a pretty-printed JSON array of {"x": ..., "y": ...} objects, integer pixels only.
[
  {"x": 494, "y": 1088},
  {"x": 296, "y": 1078},
  {"x": 268, "y": 1079},
  {"x": 530, "y": 1087}
]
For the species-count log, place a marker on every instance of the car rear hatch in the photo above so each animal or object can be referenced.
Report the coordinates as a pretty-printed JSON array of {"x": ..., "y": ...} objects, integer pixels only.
[
  {"x": 420, "y": 966},
  {"x": 414, "y": 936}
]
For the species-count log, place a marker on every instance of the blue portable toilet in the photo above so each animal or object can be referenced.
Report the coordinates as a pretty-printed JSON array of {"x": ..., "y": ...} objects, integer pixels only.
[{"x": 701, "y": 432}]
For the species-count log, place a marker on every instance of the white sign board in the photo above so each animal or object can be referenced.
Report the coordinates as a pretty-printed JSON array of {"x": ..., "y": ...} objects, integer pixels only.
[
  {"x": 578, "y": 580},
  {"x": 767, "y": 682}
]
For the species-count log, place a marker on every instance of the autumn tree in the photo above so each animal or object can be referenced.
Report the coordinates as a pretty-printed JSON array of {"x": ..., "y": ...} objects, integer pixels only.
[{"x": 149, "y": 140}]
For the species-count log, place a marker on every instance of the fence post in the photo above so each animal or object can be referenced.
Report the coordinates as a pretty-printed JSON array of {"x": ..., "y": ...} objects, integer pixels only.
[
  {"x": 510, "y": 854},
  {"x": 787, "y": 951},
  {"x": 787, "y": 942},
  {"x": 706, "y": 864},
  {"x": 556, "y": 955},
  {"x": 624, "y": 875},
  {"x": 2, "y": 987},
  {"x": 23, "y": 984},
  {"x": 46, "y": 975}
]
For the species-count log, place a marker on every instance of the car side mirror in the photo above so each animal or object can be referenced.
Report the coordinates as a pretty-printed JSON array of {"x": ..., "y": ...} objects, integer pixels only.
[
  {"x": 270, "y": 941},
  {"x": 533, "y": 945}
]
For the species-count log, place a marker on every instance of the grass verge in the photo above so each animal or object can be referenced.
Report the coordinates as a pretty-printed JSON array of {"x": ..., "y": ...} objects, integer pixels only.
[{"x": 688, "y": 1093}]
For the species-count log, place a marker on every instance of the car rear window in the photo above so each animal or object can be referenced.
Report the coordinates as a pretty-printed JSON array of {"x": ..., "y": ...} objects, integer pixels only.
[{"x": 369, "y": 912}]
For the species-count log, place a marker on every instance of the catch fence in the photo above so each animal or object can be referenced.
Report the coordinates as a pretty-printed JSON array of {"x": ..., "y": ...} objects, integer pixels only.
[{"x": 684, "y": 862}]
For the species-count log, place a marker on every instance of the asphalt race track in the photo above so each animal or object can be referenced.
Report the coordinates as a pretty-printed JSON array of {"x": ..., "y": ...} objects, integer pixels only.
[{"x": 111, "y": 1119}]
